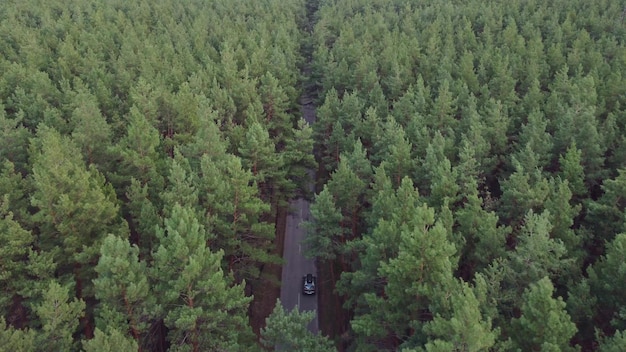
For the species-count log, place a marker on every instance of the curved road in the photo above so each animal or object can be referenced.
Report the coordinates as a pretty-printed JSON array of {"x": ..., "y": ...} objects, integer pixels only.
[{"x": 296, "y": 265}]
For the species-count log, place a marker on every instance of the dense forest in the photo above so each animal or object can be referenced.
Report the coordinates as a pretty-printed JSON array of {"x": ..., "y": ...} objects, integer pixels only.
[{"x": 470, "y": 191}]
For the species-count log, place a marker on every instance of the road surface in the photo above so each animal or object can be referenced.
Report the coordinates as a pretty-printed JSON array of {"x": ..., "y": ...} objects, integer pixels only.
[{"x": 296, "y": 265}]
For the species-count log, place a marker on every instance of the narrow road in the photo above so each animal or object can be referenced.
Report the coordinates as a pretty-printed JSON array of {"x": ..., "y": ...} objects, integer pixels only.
[{"x": 296, "y": 265}]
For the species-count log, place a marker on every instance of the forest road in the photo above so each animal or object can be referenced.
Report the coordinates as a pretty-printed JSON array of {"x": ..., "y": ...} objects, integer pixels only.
[{"x": 296, "y": 264}]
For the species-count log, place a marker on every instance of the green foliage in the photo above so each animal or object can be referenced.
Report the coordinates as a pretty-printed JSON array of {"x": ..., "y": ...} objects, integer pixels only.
[
  {"x": 114, "y": 112},
  {"x": 414, "y": 278},
  {"x": 12, "y": 339},
  {"x": 14, "y": 140},
  {"x": 75, "y": 207},
  {"x": 124, "y": 290},
  {"x": 288, "y": 331},
  {"x": 544, "y": 323},
  {"x": 465, "y": 330},
  {"x": 14, "y": 253},
  {"x": 606, "y": 281},
  {"x": 536, "y": 254},
  {"x": 324, "y": 238},
  {"x": 113, "y": 341},
  {"x": 482, "y": 239},
  {"x": 203, "y": 310},
  {"x": 91, "y": 131},
  {"x": 606, "y": 215},
  {"x": 234, "y": 213},
  {"x": 614, "y": 343},
  {"x": 138, "y": 153},
  {"x": 59, "y": 319}
]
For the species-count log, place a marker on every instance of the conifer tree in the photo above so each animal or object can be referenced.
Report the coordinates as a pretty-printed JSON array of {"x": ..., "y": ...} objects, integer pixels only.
[
  {"x": 91, "y": 131},
  {"x": 562, "y": 215},
  {"x": 606, "y": 215},
  {"x": 14, "y": 267},
  {"x": 15, "y": 190},
  {"x": 113, "y": 341},
  {"x": 288, "y": 331},
  {"x": 14, "y": 140},
  {"x": 180, "y": 188},
  {"x": 572, "y": 171},
  {"x": 143, "y": 217},
  {"x": 533, "y": 137},
  {"x": 442, "y": 178},
  {"x": 236, "y": 216},
  {"x": 536, "y": 254},
  {"x": 484, "y": 238},
  {"x": 202, "y": 309},
  {"x": 59, "y": 319},
  {"x": 606, "y": 282},
  {"x": 544, "y": 324},
  {"x": 614, "y": 343},
  {"x": 258, "y": 153},
  {"x": 465, "y": 329},
  {"x": 17, "y": 340},
  {"x": 325, "y": 235},
  {"x": 124, "y": 291},
  {"x": 299, "y": 159},
  {"x": 416, "y": 280},
  {"x": 75, "y": 208},
  {"x": 526, "y": 189},
  {"x": 139, "y": 155}
]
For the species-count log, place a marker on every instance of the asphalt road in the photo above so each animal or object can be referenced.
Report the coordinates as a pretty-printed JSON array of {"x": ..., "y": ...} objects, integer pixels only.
[{"x": 296, "y": 265}]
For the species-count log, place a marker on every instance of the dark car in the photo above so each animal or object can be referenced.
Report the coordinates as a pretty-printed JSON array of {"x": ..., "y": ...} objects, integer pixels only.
[{"x": 308, "y": 284}]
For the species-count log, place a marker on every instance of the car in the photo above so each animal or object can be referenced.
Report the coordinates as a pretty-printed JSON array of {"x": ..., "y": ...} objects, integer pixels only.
[{"x": 308, "y": 284}]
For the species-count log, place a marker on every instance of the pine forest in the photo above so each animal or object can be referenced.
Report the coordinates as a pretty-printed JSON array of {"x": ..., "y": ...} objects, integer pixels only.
[{"x": 469, "y": 160}]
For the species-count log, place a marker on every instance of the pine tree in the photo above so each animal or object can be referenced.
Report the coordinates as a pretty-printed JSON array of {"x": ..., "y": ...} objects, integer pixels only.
[
  {"x": 417, "y": 281},
  {"x": 524, "y": 190},
  {"x": 533, "y": 137},
  {"x": 562, "y": 215},
  {"x": 142, "y": 217},
  {"x": 180, "y": 188},
  {"x": 14, "y": 266},
  {"x": 544, "y": 324},
  {"x": 59, "y": 319},
  {"x": 139, "y": 155},
  {"x": 236, "y": 216},
  {"x": 606, "y": 215},
  {"x": 325, "y": 234},
  {"x": 484, "y": 238},
  {"x": 299, "y": 159},
  {"x": 15, "y": 190},
  {"x": 348, "y": 190},
  {"x": 442, "y": 178},
  {"x": 394, "y": 148},
  {"x": 276, "y": 105},
  {"x": 17, "y": 340},
  {"x": 14, "y": 140},
  {"x": 124, "y": 291},
  {"x": 536, "y": 254},
  {"x": 572, "y": 170},
  {"x": 258, "y": 153},
  {"x": 203, "y": 310},
  {"x": 464, "y": 330},
  {"x": 91, "y": 131},
  {"x": 606, "y": 282},
  {"x": 288, "y": 331},
  {"x": 614, "y": 343},
  {"x": 75, "y": 208},
  {"x": 113, "y": 341}
]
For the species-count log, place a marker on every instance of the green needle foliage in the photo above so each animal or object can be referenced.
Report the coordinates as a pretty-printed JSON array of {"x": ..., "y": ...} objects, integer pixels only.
[
  {"x": 288, "y": 331},
  {"x": 150, "y": 149},
  {"x": 544, "y": 324},
  {"x": 202, "y": 308}
]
